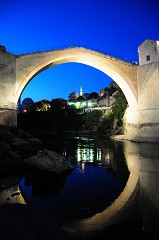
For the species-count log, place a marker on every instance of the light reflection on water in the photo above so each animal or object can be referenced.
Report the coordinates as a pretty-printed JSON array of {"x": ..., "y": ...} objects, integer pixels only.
[
  {"x": 87, "y": 153},
  {"x": 99, "y": 176},
  {"x": 93, "y": 186}
]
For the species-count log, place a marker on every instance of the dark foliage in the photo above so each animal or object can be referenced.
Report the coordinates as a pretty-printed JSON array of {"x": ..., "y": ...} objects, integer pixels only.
[
  {"x": 119, "y": 107},
  {"x": 91, "y": 119},
  {"x": 56, "y": 120}
]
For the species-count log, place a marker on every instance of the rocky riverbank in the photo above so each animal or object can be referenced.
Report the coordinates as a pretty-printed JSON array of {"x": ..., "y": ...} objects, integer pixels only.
[
  {"x": 19, "y": 149},
  {"x": 15, "y": 145}
]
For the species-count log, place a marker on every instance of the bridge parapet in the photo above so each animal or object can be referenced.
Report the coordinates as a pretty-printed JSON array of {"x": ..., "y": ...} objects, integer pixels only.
[{"x": 105, "y": 55}]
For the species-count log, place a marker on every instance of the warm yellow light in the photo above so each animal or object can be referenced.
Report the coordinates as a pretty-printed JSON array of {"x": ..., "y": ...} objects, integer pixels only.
[{"x": 83, "y": 166}]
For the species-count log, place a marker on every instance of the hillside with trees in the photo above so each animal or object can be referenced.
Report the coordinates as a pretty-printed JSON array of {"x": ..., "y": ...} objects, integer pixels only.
[{"x": 59, "y": 116}]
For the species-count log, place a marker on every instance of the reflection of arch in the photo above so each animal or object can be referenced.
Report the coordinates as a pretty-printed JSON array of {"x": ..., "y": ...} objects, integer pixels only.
[
  {"x": 115, "y": 212},
  {"x": 29, "y": 65}
]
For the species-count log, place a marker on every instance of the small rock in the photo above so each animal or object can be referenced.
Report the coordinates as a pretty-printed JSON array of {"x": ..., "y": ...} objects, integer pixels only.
[{"x": 49, "y": 161}]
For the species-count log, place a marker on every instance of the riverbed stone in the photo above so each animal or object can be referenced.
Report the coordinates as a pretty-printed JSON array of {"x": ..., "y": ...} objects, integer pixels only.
[{"x": 48, "y": 161}]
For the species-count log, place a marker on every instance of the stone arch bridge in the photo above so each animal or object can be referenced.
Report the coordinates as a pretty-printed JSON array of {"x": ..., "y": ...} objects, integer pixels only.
[{"x": 138, "y": 82}]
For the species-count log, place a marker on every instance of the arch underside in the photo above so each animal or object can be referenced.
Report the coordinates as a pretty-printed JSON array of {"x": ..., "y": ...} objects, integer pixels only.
[{"x": 106, "y": 66}]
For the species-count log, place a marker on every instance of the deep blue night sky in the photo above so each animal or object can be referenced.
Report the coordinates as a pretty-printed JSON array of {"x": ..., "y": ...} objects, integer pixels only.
[{"x": 115, "y": 27}]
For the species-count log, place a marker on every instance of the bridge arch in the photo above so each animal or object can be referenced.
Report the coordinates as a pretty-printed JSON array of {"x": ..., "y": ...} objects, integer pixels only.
[{"x": 123, "y": 73}]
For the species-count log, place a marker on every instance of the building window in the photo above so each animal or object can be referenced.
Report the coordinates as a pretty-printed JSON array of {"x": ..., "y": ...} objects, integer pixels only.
[{"x": 148, "y": 57}]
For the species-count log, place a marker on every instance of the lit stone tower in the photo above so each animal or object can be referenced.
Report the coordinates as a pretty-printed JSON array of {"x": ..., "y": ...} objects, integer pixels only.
[
  {"x": 142, "y": 122},
  {"x": 81, "y": 91},
  {"x": 148, "y": 52}
]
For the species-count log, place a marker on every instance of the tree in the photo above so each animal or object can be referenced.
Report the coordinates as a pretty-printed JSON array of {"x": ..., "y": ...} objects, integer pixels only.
[
  {"x": 58, "y": 104},
  {"x": 113, "y": 87},
  {"x": 91, "y": 119},
  {"x": 119, "y": 107},
  {"x": 43, "y": 105}
]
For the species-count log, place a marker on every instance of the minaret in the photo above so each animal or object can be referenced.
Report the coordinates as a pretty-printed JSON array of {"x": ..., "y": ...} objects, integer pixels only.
[{"x": 81, "y": 91}]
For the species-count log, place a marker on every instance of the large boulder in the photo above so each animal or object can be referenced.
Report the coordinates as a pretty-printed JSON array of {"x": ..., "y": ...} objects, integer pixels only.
[{"x": 48, "y": 161}]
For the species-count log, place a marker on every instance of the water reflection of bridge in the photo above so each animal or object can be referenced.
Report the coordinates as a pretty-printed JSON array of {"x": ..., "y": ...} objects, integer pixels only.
[
  {"x": 139, "y": 194},
  {"x": 142, "y": 161}
]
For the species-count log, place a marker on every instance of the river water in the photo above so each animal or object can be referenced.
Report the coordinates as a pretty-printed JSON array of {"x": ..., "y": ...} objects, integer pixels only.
[
  {"x": 112, "y": 192},
  {"x": 113, "y": 183},
  {"x": 99, "y": 176}
]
